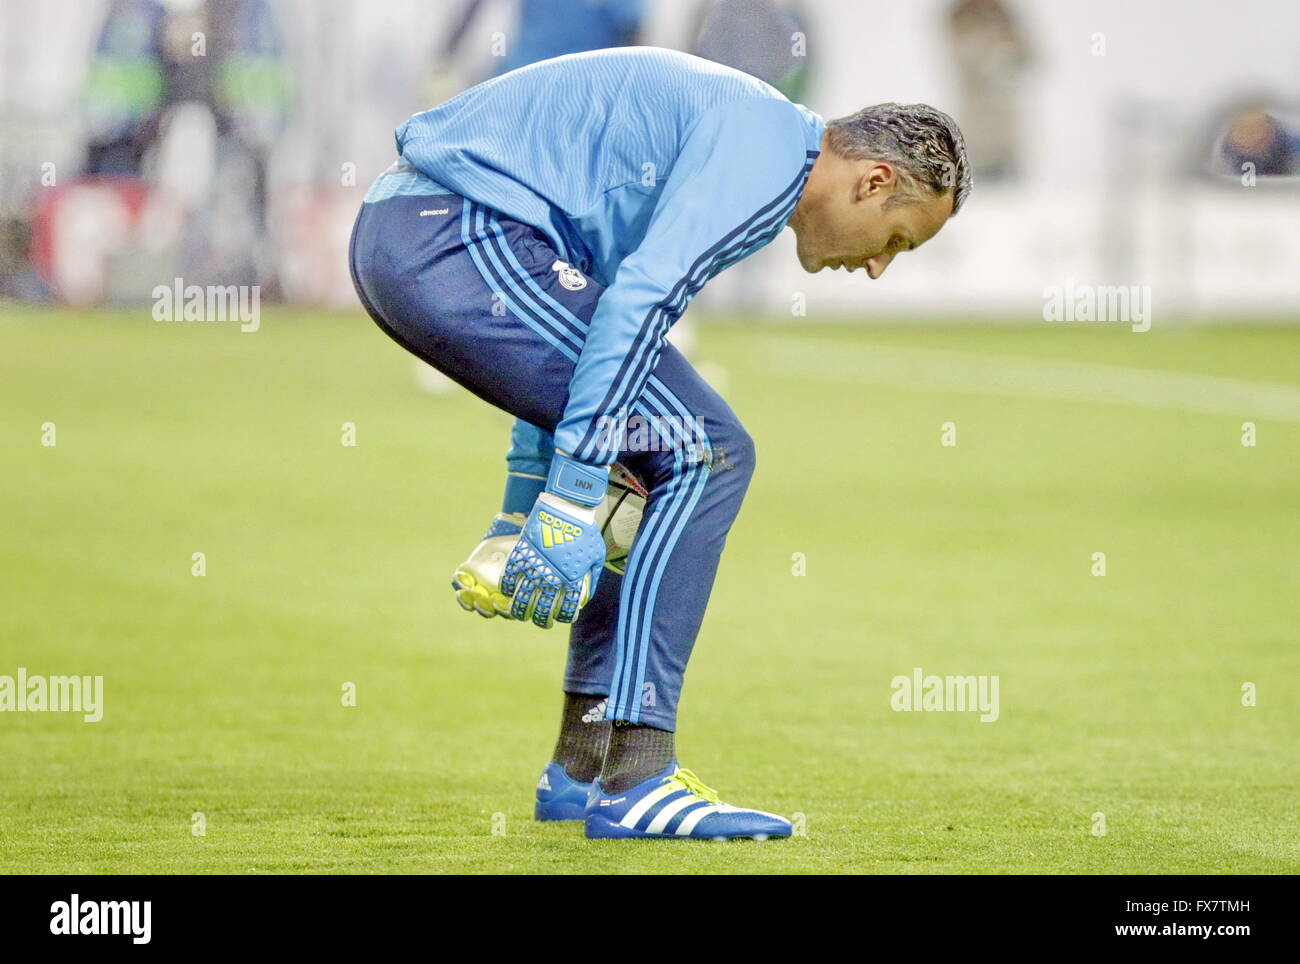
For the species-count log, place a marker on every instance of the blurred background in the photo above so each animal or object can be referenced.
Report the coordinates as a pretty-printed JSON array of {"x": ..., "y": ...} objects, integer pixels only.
[{"x": 230, "y": 141}]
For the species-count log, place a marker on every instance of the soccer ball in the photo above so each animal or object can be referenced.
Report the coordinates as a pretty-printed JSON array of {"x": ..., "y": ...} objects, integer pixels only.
[{"x": 619, "y": 516}]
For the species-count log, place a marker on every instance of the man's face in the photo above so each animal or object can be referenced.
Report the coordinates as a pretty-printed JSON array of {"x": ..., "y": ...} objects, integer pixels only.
[{"x": 850, "y": 226}]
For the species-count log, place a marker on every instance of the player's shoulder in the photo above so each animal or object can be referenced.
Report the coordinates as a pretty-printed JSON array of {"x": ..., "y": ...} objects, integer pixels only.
[{"x": 774, "y": 132}]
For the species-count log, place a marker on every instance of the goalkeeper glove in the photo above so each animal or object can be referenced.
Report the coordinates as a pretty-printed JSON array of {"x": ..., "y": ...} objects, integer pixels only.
[{"x": 552, "y": 571}]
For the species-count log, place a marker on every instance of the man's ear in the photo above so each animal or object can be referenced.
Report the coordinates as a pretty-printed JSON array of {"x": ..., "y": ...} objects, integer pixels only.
[
  {"x": 878, "y": 177},
  {"x": 883, "y": 176}
]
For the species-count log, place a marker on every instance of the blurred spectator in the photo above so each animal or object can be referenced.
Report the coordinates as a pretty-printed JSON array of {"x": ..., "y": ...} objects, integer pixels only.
[
  {"x": 552, "y": 28},
  {"x": 992, "y": 57},
  {"x": 126, "y": 87},
  {"x": 1256, "y": 137},
  {"x": 17, "y": 277},
  {"x": 183, "y": 102},
  {"x": 761, "y": 37},
  {"x": 247, "y": 85}
]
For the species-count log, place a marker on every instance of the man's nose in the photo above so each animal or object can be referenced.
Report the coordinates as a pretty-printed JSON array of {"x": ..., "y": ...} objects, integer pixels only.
[{"x": 876, "y": 266}]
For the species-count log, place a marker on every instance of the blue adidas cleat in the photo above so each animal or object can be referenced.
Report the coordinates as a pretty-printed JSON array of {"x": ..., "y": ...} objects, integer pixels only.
[
  {"x": 676, "y": 805},
  {"x": 559, "y": 796}
]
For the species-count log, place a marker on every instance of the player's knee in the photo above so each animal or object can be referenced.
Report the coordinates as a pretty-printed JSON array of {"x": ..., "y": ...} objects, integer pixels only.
[{"x": 733, "y": 456}]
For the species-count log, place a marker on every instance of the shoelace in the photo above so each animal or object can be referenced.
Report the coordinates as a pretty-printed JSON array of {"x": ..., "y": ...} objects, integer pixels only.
[{"x": 695, "y": 785}]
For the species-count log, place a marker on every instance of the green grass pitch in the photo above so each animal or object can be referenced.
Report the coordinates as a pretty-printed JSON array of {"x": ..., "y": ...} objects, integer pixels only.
[{"x": 327, "y": 564}]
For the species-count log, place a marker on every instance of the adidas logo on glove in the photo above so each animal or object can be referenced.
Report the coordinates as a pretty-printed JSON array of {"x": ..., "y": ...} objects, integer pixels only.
[{"x": 556, "y": 531}]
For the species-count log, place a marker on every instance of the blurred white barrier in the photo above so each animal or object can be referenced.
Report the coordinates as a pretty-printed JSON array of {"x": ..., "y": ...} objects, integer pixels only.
[{"x": 1204, "y": 249}]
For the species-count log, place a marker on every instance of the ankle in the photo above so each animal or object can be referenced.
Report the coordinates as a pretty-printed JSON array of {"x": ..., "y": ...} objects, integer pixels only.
[
  {"x": 636, "y": 752},
  {"x": 584, "y": 734}
]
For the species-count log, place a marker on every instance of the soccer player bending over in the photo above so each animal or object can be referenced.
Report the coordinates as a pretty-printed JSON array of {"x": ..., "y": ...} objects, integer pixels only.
[{"x": 535, "y": 240}]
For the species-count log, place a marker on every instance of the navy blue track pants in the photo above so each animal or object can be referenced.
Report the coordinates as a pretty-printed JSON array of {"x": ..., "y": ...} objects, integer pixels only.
[{"x": 479, "y": 296}]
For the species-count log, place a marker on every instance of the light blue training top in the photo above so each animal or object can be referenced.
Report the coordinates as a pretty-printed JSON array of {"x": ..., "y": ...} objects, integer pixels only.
[{"x": 650, "y": 170}]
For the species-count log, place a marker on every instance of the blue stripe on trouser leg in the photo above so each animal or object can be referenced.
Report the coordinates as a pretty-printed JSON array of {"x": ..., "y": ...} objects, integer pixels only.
[
  {"x": 484, "y": 250},
  {"x": 553, "y": 311},
  {"x": 696, "y": 472},
  {"x": 660, "y": 531},
  {"x": 432, "y": 284},
  {"x": 631, "y": 699}
]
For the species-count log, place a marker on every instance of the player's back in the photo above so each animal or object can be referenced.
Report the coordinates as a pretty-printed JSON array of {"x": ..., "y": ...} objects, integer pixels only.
[{"x": 548, "y": 143}]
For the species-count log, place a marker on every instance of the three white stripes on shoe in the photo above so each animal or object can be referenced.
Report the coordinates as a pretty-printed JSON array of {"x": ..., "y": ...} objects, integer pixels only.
[{"x": 665, "y": 815}]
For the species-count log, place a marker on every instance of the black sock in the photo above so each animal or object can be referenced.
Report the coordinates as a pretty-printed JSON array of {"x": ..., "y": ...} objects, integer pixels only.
[
  {"x": 636, "y": 753},
  {"x": 584, "y": 732}
]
